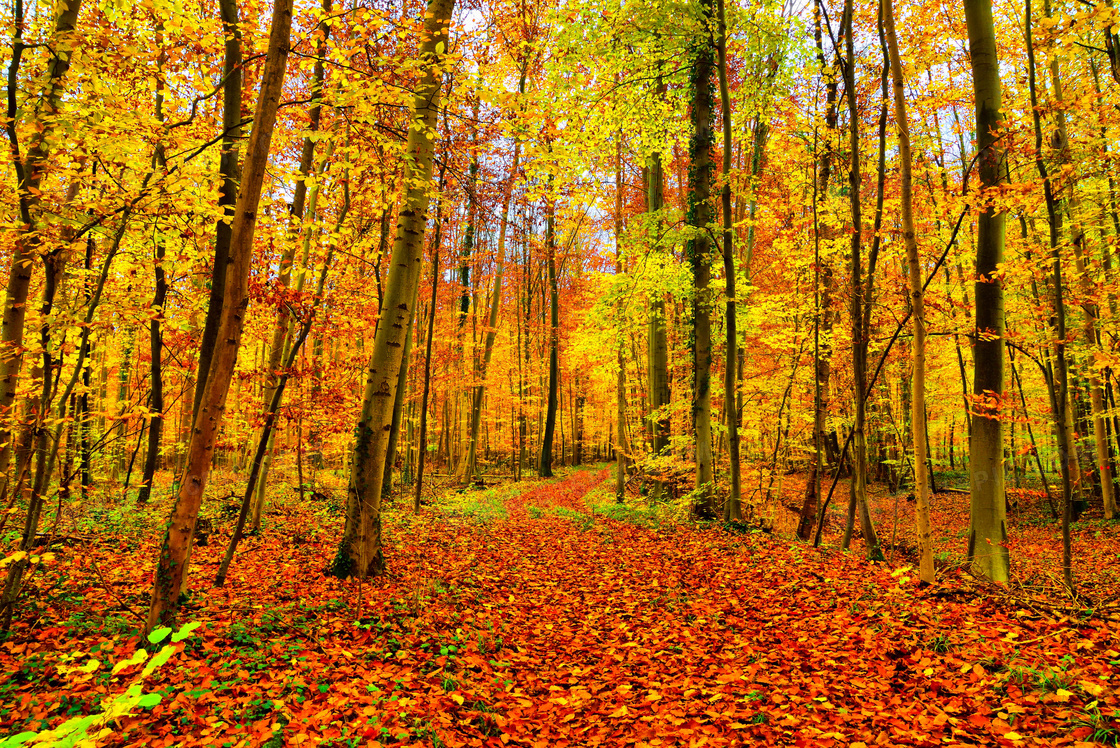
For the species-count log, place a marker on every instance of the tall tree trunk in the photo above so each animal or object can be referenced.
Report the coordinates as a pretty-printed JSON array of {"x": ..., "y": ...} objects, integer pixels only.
[
  {"x": 732, "y": 510},
  {"x": 229, "y": 175},
  {"x": 658, "y": 346},
  {"x": 698, "y": 251},
  {"x": 423, "y": 444},
  {"x": 917, "y": 304},
  {"x": 1061, "y": 396},
  {"x": 621, "y": 443},
  {"x": 155, "y": 326},
  {"x": 822, "y": 270},
  {"x": 176, "y": 543},
  {"x": 859, "y": 330},
  {"x": 469, "y": 468},
  {"x": 1090, "y": 310},
  {"x": 360, "y": 552},
  {"x": 544, "y": 469},
  {"x": 987, "y": 537},
  {"x": 303, "y": 206},
  {"x": 30, "y": 165}
]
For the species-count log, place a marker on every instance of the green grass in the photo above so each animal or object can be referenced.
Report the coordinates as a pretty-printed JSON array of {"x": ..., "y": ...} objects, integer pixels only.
[{"x": 481, "y": 505}]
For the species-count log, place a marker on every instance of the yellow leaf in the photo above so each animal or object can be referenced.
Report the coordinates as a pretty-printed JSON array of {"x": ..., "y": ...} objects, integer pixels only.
[
  {"x": 1093, "y": 689},
  {"x": 622, "y": 711},
  {"x": 457, "y": 698}
]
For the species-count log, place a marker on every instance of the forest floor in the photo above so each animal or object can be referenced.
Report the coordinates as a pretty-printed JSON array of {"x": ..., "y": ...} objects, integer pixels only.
[{"x": 543, "y": 614}]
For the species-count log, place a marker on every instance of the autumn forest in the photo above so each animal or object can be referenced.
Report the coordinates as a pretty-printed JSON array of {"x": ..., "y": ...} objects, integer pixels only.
[{"x": 560, "y": 373}]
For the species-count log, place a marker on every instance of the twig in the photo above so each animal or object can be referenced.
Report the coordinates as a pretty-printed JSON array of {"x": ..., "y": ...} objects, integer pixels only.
[{"x": 113, "y": 593}]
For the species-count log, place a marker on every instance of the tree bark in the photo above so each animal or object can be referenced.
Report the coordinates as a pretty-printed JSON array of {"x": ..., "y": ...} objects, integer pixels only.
[
  {"x": 469, "y": 467},
  {"x": 544, "y": 469},
  {"x": 29, "y": 167},
  {"x": 176, "y": 544},
  {"x": 229, "y": 174},
  {"x": 698, "y": 251},
  {"x": 917, "y": 304},
  {"x": 859, "y": 329},
  {"x": 987, "y": 538},
  {"x": 360, "y": 552},
  {"x": 732, "y": 510}
]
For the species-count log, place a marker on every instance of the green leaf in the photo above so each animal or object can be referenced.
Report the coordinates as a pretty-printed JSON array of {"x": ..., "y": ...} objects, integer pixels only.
[
  {"x": 159, "y": 635},
  {"x": 14, "y": 740},
  {"x": 149, "y": 700},
  {"x": 184, "y": 632},
  {"x": 159, "y": 660}
]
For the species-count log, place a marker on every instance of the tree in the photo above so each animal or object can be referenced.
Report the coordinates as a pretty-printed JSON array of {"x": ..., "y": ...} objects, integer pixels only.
[
  {"x": 698, "y": 249},
  {"x": 987, "y": 538},
  {"x": 917, "y": 303},
  {"x": 360, "y": 551},
  {"x": 179, "y": 531}
]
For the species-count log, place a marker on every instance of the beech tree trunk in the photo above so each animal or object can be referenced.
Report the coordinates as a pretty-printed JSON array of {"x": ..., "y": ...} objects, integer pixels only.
[
  {"x": 176, "y": 544},
  {"x": 732, "y": 510},
  {"x": 360, "y": 551},
  {"x": 621, "y": 443},
  {"x": 698, "y": 251},
  {"x": 229, "y": 174},
  {"x": 917, "y": 304},
  {"x": 544, "y": 469},
  {"x": 860, "y": 331},
  {"x": 469, "y": 466},
  {"x": 29, "y": 161},
  {"x": 987, "y": 537}
]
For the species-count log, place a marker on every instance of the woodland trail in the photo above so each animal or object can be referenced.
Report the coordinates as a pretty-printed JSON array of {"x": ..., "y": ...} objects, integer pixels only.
[
  {"x": 616, "y": 634},
  {"x": 547, "y": 624}
]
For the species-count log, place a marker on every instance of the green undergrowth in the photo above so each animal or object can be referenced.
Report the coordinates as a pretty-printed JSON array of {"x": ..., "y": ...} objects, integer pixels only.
[
  {"x": 480, "y": 505},
  {"x": 601, "y": 501}
]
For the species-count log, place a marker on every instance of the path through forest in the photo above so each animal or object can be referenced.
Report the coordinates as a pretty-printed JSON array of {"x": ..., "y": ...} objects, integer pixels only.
[{"x": 538, "y": 622}]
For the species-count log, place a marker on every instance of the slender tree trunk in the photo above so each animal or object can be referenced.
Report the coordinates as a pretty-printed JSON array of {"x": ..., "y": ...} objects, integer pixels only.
[
  {"x": 732, "y": 510},
  {"x": 155, "y": 331},
  {"x": 29, "y": 161},
  {"x": 229, "y": 174},
  {"x": 176, "y": 543},
  {"x": 698, "y": 252},
  {"x": 622, "y": 446},
  {"x": 822, "y": 322},
  {"x": 658, "y": 346},
  {"x": 469, "y": 468},
  {"x": 423, "y": 446},
  {"x": 859, "y": 331},
  {"x": 544, "y": 470},
  {"x": 917, "y": 303},
  {"x": 987, "y": 549},
  {"x": 360, "y": 551},
  {"x": 1067, "y": 456}
]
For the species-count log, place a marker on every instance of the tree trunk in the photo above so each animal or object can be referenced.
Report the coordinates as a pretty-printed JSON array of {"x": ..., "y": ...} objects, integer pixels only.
[
  {"x": 621, "y": 443},
  {"x": 987, "y": 539},
  {"x": 859, "y": 331},
  {"x": 544, "y": 469},
  {"x": 698, "y": 251},
  {"x": 360, "y": 552},
  {"x": 917, "y": 303},
  {"x": 732, "y": 510},
  {"x": 1060, "y": 388},
  {"x": 229, "y": 174},
  {"x": 469, "y": 468},
  {"x": 29, "y": 171},
  {"x": 176, "y": 543}
]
